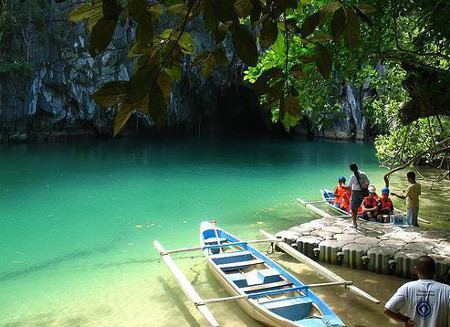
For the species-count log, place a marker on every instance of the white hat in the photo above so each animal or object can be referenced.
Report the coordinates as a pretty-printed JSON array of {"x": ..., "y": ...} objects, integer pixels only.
[{"x": 371, "y": 189}]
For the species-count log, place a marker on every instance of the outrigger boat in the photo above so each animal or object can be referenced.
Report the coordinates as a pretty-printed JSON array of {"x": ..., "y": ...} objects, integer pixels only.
[
  {"x": 265, "y": 290},
  {"x": 398, "y": 218},
  {"x": 269, "y": 293}
]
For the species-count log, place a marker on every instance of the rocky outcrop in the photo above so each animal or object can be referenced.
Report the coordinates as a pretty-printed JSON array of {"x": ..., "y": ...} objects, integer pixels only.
[{"x": 55, "y": 99}]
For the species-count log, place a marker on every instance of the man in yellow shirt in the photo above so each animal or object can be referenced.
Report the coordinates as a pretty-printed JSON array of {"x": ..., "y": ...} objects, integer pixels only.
[{"x": 411, "y": 194}]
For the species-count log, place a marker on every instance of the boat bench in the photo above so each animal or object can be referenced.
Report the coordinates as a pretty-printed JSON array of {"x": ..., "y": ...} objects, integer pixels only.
[
  {"x": 239, "y": 264},
  {"x": 267, "y": 286},
  {"x": 259, "y": 277},
  {"x": 231, "y": 257},
  {"x": 295, "y": 308}
]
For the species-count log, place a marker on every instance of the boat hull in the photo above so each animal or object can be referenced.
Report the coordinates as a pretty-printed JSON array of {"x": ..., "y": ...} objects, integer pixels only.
[{"x": 279, "y": 299}]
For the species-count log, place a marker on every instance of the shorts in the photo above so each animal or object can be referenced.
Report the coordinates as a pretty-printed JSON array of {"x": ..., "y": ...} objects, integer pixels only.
[
  {"x": 356, "y": 200},
  {"x": 411, "y": 216}
]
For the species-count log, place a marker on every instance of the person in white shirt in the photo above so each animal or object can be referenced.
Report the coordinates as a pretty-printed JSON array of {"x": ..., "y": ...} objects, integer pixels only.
[
  {"x": 426, "y": 302},
  {"x": 358, "y": 182}
]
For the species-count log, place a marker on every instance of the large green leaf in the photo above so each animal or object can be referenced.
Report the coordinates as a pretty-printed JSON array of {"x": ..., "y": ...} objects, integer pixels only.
[
  {"x": 144, "y": 35},
  {"x": 262, "y": 83},
  {"x": 93, "y": 13},
  {"x": 245, "y": 45},
  {"x": 209, "y": 16},
  {"x": 289, "y": 121},
  {"x": 179, "y": 8},
  {"x": 268, "y": 34},
  {"x": 292, "y": 106},
  {"x": 255, "y": 15},
  {"x": 322, "y": 38},
  {"x": 111, "y": 9},
  {"x": 243, "y": 7},
  {"x": 310, "y": 24},
  {"x": 101, "y": 36},
  {"x": 111, "y": 93},
  {"x": 222, "y": 32},
  {"x": 138, "y": 10},
  {"x": 186, "y": 42},
  {"x": 324, "y": 61},
  {"x": 157, "y": 106},
  {"x": 225, "y": 10},
  {"x": 352, "y": 30},
  {"x": 220, "y": 57},
  {"x": 140, "y": 83},
  {"x": 207, "y": 66},
  {"x": 328, "y": 10},
  {"x": 366, "y": 8},
  {"x": 122, "y": 116},
  {"x": 297, "y": 71},
  {"x": 338, "y": 22},
  {"x": 362, "y": 15},
  {"x": 85, "y": 11},
  {"x": 165, "y": 84}
]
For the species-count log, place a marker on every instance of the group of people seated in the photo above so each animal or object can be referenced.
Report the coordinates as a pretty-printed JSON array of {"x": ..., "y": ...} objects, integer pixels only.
[{"x": 372, "y": 208}]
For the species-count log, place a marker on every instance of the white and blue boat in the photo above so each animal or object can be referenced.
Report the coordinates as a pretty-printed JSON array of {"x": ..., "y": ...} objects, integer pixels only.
[{"x": 266, "y": 291}]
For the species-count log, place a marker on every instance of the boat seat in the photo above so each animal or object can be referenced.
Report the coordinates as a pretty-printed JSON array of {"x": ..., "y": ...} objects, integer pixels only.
[
  {"x": 238, "y": 256},
  {"x": 239, "y": 279},
  {"x": 229, "y": 254},
  {"x": 239, "y": 264},
  {"x": 296, "y": 308},
  {"x": 213, "y": 240},
  {"x": 266, "y": 286},
  {"x": 269, "y": 275}
]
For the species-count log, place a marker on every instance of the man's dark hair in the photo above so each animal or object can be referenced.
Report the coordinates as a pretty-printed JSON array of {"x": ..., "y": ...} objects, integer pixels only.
[
  {"x": 411, "y": 175},
  {"x": 426, "y": 266},
  {"x": 353, "y": 167}
]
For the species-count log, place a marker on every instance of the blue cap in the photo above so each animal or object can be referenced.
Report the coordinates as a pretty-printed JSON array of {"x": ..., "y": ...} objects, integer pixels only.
[
  {"x": 341, "y": 179},
  {"x": 385, "y": 190}
]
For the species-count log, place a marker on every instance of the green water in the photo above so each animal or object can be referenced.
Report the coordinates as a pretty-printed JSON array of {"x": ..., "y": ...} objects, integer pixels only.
[{"x": 78, "y": 220}]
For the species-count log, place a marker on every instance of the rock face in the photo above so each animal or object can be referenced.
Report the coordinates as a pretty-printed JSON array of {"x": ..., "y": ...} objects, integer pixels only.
[{"x": 54, "y": 99}]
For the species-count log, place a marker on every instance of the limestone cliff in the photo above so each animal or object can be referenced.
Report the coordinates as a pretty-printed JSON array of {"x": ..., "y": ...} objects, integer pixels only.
[{"x": 54, "y": 99}]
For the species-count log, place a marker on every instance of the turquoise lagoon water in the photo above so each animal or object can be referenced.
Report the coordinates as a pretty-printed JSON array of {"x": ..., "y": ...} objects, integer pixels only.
[{"x": 77, "y": 221}]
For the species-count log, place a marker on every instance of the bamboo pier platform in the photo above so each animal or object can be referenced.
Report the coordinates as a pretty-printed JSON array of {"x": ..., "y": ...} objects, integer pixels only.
[{"x": 381, "y": 248}]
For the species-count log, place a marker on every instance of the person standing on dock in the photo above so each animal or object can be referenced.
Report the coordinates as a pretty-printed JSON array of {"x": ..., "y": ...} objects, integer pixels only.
[
  {"x": 358, "y": 183},
  {"x": 426, "y": 302},
  {"x": 412, "y": 203}
]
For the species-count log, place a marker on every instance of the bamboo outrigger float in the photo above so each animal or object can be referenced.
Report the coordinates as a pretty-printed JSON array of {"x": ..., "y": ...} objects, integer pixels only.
[{"x": 267, "y": 292}]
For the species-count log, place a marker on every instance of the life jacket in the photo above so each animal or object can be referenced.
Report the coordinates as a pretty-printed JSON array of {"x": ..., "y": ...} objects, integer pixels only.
[
  {"x": 339, "y": 193},
  {"x": 386, "y": 204},
  {"x": 370, "y": 203}
]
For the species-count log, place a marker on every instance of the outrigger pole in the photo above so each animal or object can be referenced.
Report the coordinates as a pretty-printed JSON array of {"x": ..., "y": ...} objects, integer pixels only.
[
  {"x": 186, "y": 286},
  {"x": 319, "y": 268}
]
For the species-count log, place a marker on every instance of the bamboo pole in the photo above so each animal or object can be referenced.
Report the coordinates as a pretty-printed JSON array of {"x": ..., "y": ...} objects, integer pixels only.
[
  {"x": 319, "y": 268},
  {"x": 186, "y": 286},
  {"x": 314, "y": 209},
  {"x": 198, "y": 248},
  {"x": 254, "y": 295}
]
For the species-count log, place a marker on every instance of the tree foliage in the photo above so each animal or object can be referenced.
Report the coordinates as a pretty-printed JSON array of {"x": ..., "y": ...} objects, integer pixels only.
[{"x": 252, "y": 25}]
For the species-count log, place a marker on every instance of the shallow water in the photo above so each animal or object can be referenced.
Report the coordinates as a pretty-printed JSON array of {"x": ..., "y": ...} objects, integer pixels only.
[{"x": 78, "y": 221}]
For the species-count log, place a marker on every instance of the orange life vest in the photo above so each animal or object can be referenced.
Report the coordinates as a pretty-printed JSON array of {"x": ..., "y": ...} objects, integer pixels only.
[
  {"x": 342, "y": 197},
  {"x": 386, "y": 203},
  {"x": 370, "y": 203}
]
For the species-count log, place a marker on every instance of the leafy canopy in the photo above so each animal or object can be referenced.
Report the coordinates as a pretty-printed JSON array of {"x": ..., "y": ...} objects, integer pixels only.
[{"x": 252, "y": 25}]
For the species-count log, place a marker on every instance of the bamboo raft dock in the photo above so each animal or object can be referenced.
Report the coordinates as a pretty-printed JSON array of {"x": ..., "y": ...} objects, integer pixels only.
[{"x": 381, "y": 248}]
